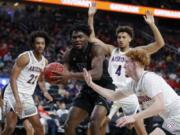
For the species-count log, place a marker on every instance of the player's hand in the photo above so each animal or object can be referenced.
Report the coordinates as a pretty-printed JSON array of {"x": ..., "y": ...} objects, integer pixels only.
[
  {"x": 125, "y": 121},
  {"x": 92, "y": 9},
  {"x": 87, "y": 77},
  {"x": 18, "y": 108},
  {"x": 60, "y": 78},
  {"x": 149, "y": 18},
  {"x": 48, "y": 96}
]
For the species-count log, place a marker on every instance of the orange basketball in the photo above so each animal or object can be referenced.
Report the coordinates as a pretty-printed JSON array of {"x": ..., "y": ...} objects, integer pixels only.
[{"x": 50, "y": 68}]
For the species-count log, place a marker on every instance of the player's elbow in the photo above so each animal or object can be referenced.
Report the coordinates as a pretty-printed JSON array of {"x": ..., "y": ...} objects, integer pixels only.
[
  {"x": 160, "y": 43},
  {"x": 161, "y": 107}
]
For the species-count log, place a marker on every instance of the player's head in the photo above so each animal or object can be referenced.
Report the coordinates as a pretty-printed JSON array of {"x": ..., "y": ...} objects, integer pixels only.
[
  {"x": 136, "y": 58},
  {"x": 79, "y": 35},
  {"x": 125, "y": 35},
  {"x": 39, "y": 40}
]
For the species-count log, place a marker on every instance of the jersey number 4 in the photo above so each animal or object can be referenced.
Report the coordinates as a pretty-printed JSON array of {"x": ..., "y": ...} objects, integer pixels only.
[
  {"x": 32, "y": 79},
  {"x": 118, "y": 71}
]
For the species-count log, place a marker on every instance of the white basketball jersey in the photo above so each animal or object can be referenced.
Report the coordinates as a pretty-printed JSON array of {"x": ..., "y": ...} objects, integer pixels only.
[
  {"x": 117, "y": 72},
  {"x": 116, "y": 68},
  {"x": 27, "y": 79}
]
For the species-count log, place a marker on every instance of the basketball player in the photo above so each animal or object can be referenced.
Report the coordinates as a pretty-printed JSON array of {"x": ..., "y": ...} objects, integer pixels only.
[
  {"x": 151, "y": 89},
  {"x": 26, "y": 72},
  {"x": 87, "y": 103},
  {"x": 116, "y": 69}
]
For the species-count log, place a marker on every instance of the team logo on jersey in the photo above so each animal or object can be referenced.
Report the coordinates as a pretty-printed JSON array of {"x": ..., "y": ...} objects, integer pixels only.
[
  {"x": 144, "y": 99},
  {"x": 118, "y": 59},
  {"x": 35, "y": 69}
]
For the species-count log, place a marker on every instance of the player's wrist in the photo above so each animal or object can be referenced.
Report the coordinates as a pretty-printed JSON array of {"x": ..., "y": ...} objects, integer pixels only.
[
  {"x": 91, "y": 84},
  {"x": 152, "y": 24},
  {"x": 135, "y": 116},
  {"x": 45, "y": 93}
]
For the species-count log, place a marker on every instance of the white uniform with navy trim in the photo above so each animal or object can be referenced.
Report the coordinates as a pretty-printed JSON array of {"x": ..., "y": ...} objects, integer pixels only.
[
  {"x": 150, "y": 85},
  {"x": 117, "y": 72},
  {"x": 26, "y": 83}
]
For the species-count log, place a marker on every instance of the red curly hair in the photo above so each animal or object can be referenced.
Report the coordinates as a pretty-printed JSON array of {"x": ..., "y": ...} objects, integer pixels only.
[{"x": 139, "y": 55}]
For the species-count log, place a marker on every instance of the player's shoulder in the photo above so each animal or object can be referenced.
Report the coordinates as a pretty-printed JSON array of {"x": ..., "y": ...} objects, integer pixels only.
[
  {"x": 23, "y": 58},
  {"x": 24, "y": 55},
  {"x": 151, "y": 76},
  {"x": 97, "y": 48}
]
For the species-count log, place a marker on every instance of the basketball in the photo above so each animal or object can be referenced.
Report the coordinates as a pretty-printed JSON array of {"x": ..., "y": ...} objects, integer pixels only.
[{"x": 50, "y": 68}]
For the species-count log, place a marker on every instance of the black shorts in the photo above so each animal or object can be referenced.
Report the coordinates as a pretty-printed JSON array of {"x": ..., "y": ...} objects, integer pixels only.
[{"x": 87, "y": 102}]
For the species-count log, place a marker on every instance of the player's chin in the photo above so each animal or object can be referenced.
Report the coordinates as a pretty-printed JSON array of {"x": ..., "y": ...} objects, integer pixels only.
[
  {"x": 126, "y": 75},
  {"x": 41, "y": 51},
  {"x": 78, "y": 46}
]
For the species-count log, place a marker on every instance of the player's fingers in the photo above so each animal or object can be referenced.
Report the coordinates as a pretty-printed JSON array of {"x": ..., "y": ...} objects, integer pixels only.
[
  {"x": 56, "y": 73},
  {"x": 85, "y": 72},
  {"x": 119, "y": 121},
  {"x": 55, "y": 77},
  {"x": 57, "y": 81},
  {"x": 123, "y": 124}
]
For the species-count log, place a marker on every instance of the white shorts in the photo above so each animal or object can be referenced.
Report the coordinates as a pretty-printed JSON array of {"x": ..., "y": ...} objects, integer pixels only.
[
  {"x": 29, "y": 108},
  {"x": 130, "y": 105}
]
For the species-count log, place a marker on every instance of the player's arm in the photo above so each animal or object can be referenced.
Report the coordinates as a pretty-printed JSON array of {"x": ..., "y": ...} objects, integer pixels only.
[
  {"x": 108, "y": 48},
  {"x": 159, "y": 41},
  {"x": 19, "y": 65},
  {"x": 42, "y": 86},
  {"x": 109, "y": 94},
  {"x": 96, "y": 65},
  {"x": 157, "y": 107},
  {"x": 1, "y": 100}
]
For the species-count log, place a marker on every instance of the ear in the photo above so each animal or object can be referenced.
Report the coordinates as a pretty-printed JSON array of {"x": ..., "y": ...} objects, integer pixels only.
[
  {"x": 135, "y": 64},
  {"x": 129, "y": 39}
]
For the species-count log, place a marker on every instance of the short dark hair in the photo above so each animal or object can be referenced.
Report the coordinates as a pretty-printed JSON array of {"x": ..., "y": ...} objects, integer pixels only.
[
  {"x": 80, "y": 27},
  {"x": 126, "y": 29},
  {"x": 36, "y": 34}
]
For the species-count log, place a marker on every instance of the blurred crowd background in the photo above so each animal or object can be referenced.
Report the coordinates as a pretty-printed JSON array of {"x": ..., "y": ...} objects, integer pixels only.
[{"x": 18, "y": 20}]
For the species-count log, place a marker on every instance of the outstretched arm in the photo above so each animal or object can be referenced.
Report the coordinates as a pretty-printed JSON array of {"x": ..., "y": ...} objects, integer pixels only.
[
  {"x": 92, "y": 10},
  {"x": 159, "y": 41},
  {"x": 154, "y": 109},
  {"x": 107, "y": 93}
]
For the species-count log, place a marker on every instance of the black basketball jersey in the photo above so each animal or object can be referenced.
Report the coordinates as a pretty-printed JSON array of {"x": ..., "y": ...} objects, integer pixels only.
[{"x": 79, "y": 59}]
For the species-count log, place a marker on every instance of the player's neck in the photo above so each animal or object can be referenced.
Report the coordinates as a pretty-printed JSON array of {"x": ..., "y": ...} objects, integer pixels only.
[
  {"x": 138, "y": 74},
  {"x": 125, "y": 49},
  {"x": 38, "y": 56}
]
